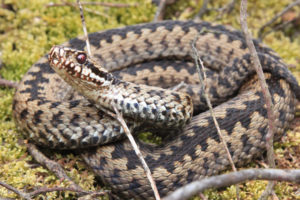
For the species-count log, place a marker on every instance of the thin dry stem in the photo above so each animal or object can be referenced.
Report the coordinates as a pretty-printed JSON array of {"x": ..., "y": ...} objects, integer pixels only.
[
  {"x": 81, "y": 192},
  {"x": 286, "y": 9},
  {"x": 205, "y": 93},
  {"x": 179, "y": 86},
  {"x": 96, "y": 12},
  {"x": 44, "y": 190},
  {"x": 265, "y": 91},
  {"x": 16, "y": 191},
  {"x": 241, "y": 176},
  {"x": 74, "y": 5},
  {"x": 84, "y": 29},
  {"x": 283, "y": 25},
  {"x": 60, "y": 173},
  {"x": 202, "y": 196},
  {"x": 105, "y": 4},
  {"x": 138, "y": 153},
  {"x": 109, "y": 4},
  {"x": 203, "y": 85},
  {"x": 51, "y": 165},
  {"x": 202, "y": 10},
  {"x": 159, "y": 15},
  {"x": 226, "y": 9},
  {"x": 160, "y": 11}
]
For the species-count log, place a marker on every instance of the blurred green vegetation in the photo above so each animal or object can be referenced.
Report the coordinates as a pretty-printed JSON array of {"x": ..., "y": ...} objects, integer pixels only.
[{"x": 28, "y": 29}]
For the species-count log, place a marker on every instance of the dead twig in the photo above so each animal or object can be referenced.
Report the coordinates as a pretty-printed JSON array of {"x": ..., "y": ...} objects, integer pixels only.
[
  {"x": 159, "y": 15},
  {"x": 286, "y": 9},
  {"x": 203, "y": 81},
  {"x": 96, "y": 12},
  {"x": 109, "y": 4},
  {"x": 51, "y": 165},
  {"x": 16, "y": 191},
  {"x": 74, "y": 5},
  {"x": 226, "y": 9},
  {"x": 232, "y": 178},
  {"x": 105, "y": 4},
  {"x": 202, "y": 196},
  {"x": 202, "y": 10},
  {"x": 265, "y": 91},
  {"x": 7, "y": 83},
  {"x": 60, "y": 173},
  {"x": 86, "y": 37},
  {"x": 83, "y": 193},
  {"x": 279, "y": 27},
  {"x": 179, "y": 86},
  {"x": 137, "y": 152},
  {"x": 43, "y": 190}
]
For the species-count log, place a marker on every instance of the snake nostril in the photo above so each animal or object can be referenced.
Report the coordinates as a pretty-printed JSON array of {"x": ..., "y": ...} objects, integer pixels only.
[
  {"x": 54, "y": 56},
  {"x": 53, "y": 53}
]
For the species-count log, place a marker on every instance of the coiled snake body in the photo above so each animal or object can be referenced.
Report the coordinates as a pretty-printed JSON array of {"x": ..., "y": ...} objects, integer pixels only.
[{"x": 52, "y": 114}]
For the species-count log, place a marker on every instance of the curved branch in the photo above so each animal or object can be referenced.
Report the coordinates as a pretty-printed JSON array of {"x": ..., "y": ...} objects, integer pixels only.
[{"x": 232, "y": 178}]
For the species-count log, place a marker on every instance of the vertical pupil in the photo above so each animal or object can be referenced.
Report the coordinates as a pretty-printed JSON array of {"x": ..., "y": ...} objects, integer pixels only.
[{"x": 81, "y": 58}]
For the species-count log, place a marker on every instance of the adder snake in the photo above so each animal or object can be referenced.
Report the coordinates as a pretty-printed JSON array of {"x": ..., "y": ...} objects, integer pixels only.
[{"x": 52, "y": 114}]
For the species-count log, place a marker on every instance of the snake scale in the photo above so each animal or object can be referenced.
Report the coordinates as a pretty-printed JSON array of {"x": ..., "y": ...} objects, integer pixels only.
[{"x": 52, "y": 114}]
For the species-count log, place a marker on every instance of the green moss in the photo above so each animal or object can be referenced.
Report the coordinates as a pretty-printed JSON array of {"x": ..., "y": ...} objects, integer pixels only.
[{"x": 29, "y": 30}]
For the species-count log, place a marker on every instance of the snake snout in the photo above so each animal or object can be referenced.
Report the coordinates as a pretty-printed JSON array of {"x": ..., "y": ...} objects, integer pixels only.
[{"x": 55, "y": 55}]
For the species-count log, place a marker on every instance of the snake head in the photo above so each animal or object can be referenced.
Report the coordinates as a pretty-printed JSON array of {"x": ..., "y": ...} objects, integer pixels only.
[{"x": 76, "y": 66}]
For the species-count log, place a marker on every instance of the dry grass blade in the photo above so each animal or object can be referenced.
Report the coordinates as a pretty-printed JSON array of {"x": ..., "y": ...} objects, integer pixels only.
[
  {"x": 138, "y": 153},
  {"x": 226, "y": 9},
  {"x": 203, "y": 85},
  {"x": 110, "y": 4},
  {"x": 202, "y": 10},
  {"x": 160, "y": 11},
  {"x": 74, "y": 5},
  {"x": 105, "y": 4},
  {"x": 84, "y": 29},
  {"x": 265, "y": 91},
  {"x": 159, "y": 15}
]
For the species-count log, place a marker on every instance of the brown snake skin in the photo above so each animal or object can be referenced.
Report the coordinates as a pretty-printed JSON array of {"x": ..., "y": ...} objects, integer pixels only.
[{"x": 52, "y": 114}]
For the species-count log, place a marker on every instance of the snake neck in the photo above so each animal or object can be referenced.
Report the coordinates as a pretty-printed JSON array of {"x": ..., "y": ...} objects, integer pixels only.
[{"x": 148, "y": 104}]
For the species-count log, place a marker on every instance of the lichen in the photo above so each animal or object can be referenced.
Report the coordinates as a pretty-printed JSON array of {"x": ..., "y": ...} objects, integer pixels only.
[{"x": 29, "y": 28}]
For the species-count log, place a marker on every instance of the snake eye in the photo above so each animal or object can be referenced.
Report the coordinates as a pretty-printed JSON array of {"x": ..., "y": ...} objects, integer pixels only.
[{"x": 81, "y": 58}]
